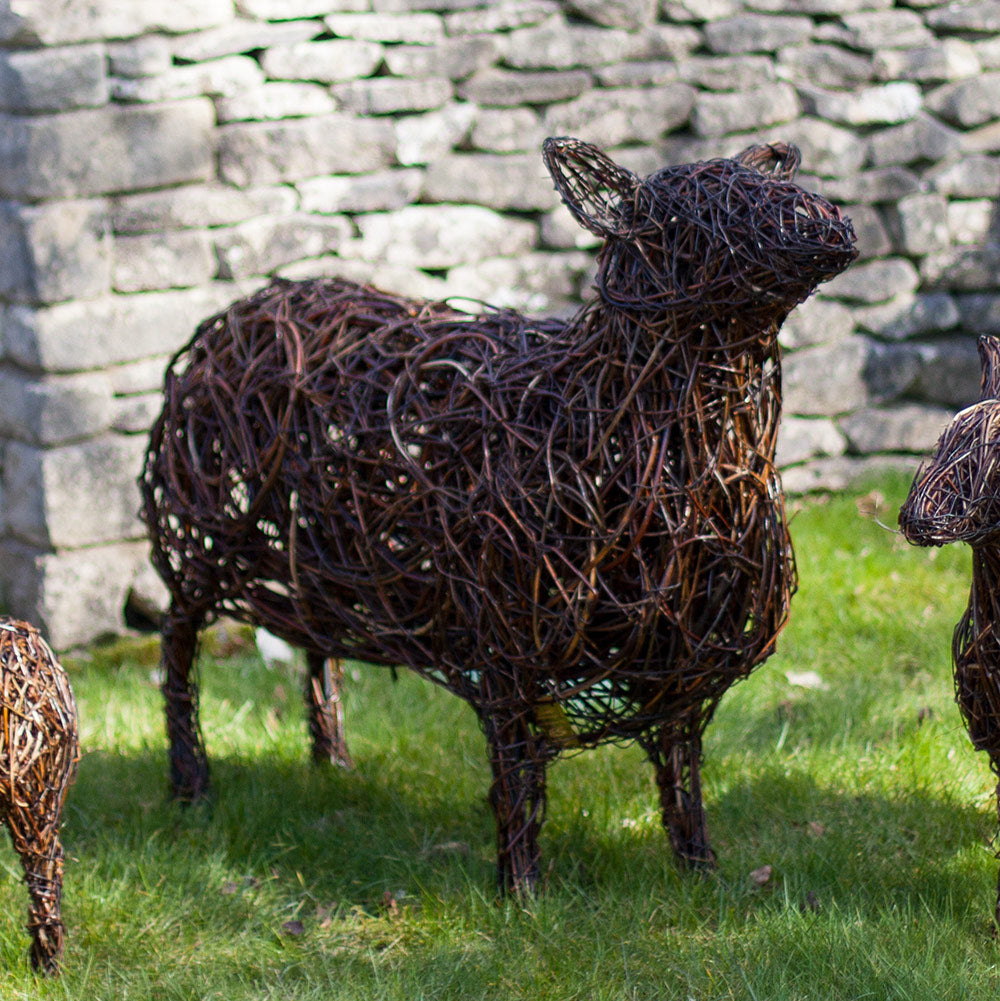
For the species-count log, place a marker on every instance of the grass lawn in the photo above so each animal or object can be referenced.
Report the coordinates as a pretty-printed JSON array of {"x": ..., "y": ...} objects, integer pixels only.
[{"x": 859, "y": 789}]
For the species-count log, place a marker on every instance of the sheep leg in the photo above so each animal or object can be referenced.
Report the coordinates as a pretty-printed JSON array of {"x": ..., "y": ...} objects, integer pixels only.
[
  {"x": 188, "y": 761},
  {"x": 35, "y": 834},
  {"x": 325, "y": 710},
  {"x": 517, "y": 795},
  {"x": 675, "y": 752}
]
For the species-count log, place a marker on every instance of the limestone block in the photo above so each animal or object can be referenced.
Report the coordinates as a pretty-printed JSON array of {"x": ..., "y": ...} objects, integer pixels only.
[
  {"x": 988, "y": 52},
  {"x": 962, "y": 269},
  {"x": 147, "y": 55},
  {"x": 135, "y": 414},
  {"x": 756, "y": 33},
  {"x": 416, "y": 29},
  {"x": 980, "y": 312},
  {"x": 967, "y": 103},
  {"x": 508, "y": 88},
  {"x": 873, "y": 237},
  {"x": 399, "y": 279},
  {"x": 825, "y": 8},
  {"x": 50, "y": 492},
  {"x": 699, "y": 10},
  {"x": 559, "y": 231},
  {"x": 842, "y": 472},
  {"x": 79, "y": 336},
  {"x": 919, "y": 223},
  {"x": 294, "y": 10},
  {"x": 386, "y": 95},
  {"x": 985, "y": 139},
  {"x": 193, "y": 206},
  {"x": 905, "y": 427},
  {"x": 454, "y": 58},
  {"x": 241, "y": 36},
  {"x": 74, "y": 596},
  {"x": 858, "y": 372},
  {"x": 623, "y": 115},
  {"x": 876, "y": 30},
  {"x": 921, "y": 138},
  {"x": 630, "y": 14},
  {"x": 665, "y": 41},
  {"x": 967, "y": 15},
  {"x": 532, "y": 283},
  {"x": 884, "y": 184},
  {"x": 909, "y": 315},
  {"x": 440, "y": 236},
  {"x": 55, "y": 79},
  {"x": 971, "y": 176},
  {"x": 816, "y": 321},
  {"x": 174, "y": 259},
  {"x": 102, "y": 150},
  {"x": 500, "y": 17},
  {"x": 881, "y": 104},
  {"x": 261, "y": 153},
  {"x": 718, "y": 114},
  {"x": 949, "y": 372},
  {"x": 427, "y": 138},
  {"x": 54, "y": 251},
  {"x": 726, "y": 72},
  {"x": 802, "y": 438},
  {"x": 378, "y": 192},
  {"x": 53, "y": 409},
  {"x": 947, "y": 59},
  {"x": 259, "y": 246},
  {"x": 134, "y": 377},
  {"x": 874, "y": 281},
  {"x": 224, "y": 77},
  {"x": 973, "y": 221},
  {"x": 827, "y": 66},
  {"x": 274, "y": 101},
  {"x": 827, "y": 150},
  {"x": 47, "y": 23},
  {"x": 512, "y": 130},
  {"x": 329, "y": 61},
  {"x": 556, "y": 45},
  {"x": 498, "y": 181}
]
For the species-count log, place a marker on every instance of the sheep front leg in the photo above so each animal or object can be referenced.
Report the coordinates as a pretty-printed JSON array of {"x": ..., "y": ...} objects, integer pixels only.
[
  {"x": 675, "y": 752},
  {"x": 325, "y": 710},
  {"x": 42, "y": 860},
  {"x": 517, "y": 795},
  {"x": 188, "y": 762}
]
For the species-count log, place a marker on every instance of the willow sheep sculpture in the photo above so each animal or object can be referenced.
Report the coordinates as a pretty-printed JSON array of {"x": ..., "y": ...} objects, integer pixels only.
[
  {"x": 955, "y": 497},
  {"x": 574, "y": 525},
  {"x": 39, "y": 750}
]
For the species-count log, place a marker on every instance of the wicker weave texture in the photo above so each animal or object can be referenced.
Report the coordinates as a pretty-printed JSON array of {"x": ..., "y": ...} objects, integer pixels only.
[
  {"x": 955, "y": 497},
  {"x": 38, "y": 760},
  {"x": 575, "y": 525}
]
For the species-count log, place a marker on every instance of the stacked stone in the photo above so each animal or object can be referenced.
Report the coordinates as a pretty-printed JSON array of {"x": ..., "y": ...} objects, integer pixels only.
[{"x": 158, "y": 160}]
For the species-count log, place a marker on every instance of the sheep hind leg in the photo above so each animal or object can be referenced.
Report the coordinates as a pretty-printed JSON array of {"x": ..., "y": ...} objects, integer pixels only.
[
  {"x": 518, "y": 759},
  {"x": 675, "y": 752},
  {"x": 325, "y": 710},
  {"x": 35, "y": 835},
  {"x": 189, "y": 778}
]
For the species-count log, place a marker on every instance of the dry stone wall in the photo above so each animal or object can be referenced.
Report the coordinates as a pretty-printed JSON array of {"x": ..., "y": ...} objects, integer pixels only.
[{"x": 159, "y": 159}]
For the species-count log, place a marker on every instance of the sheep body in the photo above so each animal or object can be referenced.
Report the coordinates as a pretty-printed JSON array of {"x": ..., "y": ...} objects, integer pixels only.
[{"x": 575, "y": 525}]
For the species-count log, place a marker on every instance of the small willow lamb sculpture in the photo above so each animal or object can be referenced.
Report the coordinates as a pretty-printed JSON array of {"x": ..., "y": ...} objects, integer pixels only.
[
  {"x": 38, "y": 756},
  {"x": 576, "y": 526},
  {"x": 955, "y": 497}
]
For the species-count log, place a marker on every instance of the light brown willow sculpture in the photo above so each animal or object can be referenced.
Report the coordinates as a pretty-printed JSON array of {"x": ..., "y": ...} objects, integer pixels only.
[
  {"x": 576, "y": 526},
  {"x": 955, "y": 497},
  {"x": 38, "y": 755}
]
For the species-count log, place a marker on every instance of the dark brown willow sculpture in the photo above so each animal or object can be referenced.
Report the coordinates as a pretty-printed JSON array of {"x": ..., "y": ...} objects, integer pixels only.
[
  {"x": 576, "y": 526},
  {"x": 38, "y": 755},
  {"x": 955, "y": 497}
]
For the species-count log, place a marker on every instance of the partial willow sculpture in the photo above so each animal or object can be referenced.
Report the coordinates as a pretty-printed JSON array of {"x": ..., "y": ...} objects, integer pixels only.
[
  {"x": 955, "y": 497},
  {"x": 576, "y": 526},
  {"x": 38, "y": 754}
]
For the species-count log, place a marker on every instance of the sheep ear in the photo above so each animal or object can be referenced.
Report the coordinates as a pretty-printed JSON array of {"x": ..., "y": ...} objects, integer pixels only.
[
  {"x": 989, "y": 357},
  {"x": 778, "y": 160},
  {"x": 591, "y": 184}
]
